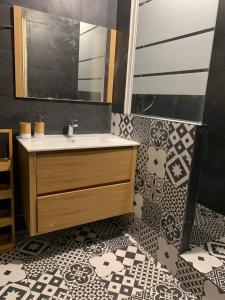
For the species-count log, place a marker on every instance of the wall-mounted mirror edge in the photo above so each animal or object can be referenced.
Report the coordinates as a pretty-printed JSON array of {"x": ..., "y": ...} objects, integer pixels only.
[{"x": 22, "y": 58}]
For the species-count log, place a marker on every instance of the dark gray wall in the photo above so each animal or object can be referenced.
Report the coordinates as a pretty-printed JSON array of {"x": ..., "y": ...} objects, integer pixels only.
[
  {"x": 212, "y": 183},
  {"x": 92, "y": 117},
  {"x": 123, "y": 26}
]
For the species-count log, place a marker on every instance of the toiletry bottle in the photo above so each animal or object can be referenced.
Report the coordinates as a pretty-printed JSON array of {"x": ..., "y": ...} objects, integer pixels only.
[
  {"x": 39, "y": 127},
  {"x": 25, "y": 130}
]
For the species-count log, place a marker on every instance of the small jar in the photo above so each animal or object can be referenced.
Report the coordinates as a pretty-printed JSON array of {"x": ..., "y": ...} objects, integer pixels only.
[{"x": 25, "y": 130}]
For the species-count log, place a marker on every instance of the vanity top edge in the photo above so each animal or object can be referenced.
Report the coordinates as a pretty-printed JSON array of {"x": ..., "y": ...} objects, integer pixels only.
[{"x": 81, "y": 141}]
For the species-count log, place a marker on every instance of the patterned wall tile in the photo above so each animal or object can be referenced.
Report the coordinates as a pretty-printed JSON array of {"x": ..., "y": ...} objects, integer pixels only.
[
  {"x": 174, "y": 200},
  {"x": 152, "y": 212},
  {"x": 115, "y": 124},
  {"x": 151, "y": 132},
  {"x": 142, "y": 157},
  {"x": 181, "y": 139},
  {"x": 141, "y": 129},
  {"x": 156, "y": 164},
  {"x": 162, "y": 177},
  {"x": 126, "y": 127},
  {"x": 154, "y": 188},
  {"x": 171, "y": 228},
  {"x": 178, "y": 170}
]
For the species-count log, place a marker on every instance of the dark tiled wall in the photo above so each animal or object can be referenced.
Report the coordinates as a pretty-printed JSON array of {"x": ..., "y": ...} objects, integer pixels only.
[
  {"x": 92, "y": 117},
  {"x": 212, "y": 187}
]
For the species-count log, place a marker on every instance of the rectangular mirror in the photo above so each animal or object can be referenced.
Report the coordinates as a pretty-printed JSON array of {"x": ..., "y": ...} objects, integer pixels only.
[{"x": 63, "y": 59}]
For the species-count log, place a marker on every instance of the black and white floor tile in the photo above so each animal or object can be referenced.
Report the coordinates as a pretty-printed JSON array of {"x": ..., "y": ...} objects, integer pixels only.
[
  {"x": 90, "y": 265},
  {"x": 207, "y": 254}
]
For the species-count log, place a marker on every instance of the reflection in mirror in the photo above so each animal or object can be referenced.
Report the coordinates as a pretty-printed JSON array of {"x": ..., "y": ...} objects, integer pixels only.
[{"x": 60, "y": 58}]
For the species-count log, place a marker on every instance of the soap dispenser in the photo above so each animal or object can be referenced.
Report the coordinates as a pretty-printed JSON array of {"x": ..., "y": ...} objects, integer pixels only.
[{"x": 39, "y": 127}]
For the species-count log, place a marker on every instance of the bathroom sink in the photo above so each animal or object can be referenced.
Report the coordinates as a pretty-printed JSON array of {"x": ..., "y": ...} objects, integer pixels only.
[{"x": 80, "y": 141}]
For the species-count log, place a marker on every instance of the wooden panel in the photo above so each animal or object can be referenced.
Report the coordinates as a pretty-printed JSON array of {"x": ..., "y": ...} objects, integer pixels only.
[
  {"x": 73, "y": 208},
  {"x": 5, "y": 165},
  {"x": 63, "y": 171},
  {"x": 18, "y": 50},
  {"x": 112, "y": 55},
  {"x": 27, "y": 177},
  {"x": 6, "y": 242},
  {"x": 5, "y": 191}
]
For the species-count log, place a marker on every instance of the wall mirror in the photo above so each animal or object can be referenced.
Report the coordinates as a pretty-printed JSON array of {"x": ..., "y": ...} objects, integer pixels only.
[{"x": 63, "y": 59}]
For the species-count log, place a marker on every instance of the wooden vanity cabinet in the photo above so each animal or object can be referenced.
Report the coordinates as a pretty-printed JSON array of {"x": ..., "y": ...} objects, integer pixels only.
[{"x": 61, "y": 189}]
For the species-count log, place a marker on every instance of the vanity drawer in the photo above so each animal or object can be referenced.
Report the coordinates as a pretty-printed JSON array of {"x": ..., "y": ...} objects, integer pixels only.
[
  {"x": 79, "y": 207},
  {"x": 61, "y": 171}
]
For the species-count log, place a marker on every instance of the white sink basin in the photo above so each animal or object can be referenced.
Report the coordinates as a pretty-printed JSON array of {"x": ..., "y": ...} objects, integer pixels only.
[{"x": 80, "y": 141}]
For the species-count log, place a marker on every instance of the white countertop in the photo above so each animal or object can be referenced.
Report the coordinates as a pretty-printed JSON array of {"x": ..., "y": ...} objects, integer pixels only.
[{"x": 81, "y": 141}]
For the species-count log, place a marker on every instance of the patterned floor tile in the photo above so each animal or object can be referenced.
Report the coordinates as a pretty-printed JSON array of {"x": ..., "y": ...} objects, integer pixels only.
[
  {"x": 82, "y": 233},
  {"x": 38, "y": 264},
  {"x": 201, "y": 260},
  {"x": 94, "y": 247},
  {"x": 33, "y": 247},
  {"x": 149, "y": 274},
  {"x": 212, "y": 292},
  {"x": 121, "y": 285},
  {"x": 143, "y": 295},
  {"x": 10, "y": 256},
  {"x": 106, "y": 229},
  {"x": 199, "y": 236},
  {"x": 49, "y": 285},
  {"x": 11, "y": 272},
  {"x": 217, "y": 276},
  {"x": 94, "y": 290},
  {"x": 118, "y": 242},
  {"x": 16, "y": 291},
  {"x": 106, "y": 264},
  {"x": 217, "y": 249},
  {"x": 130, "y": 256},
  {"x": 165, "y": 292},
  {"x": 98, "y": 261},
  {"x": 191, "y": 279}
]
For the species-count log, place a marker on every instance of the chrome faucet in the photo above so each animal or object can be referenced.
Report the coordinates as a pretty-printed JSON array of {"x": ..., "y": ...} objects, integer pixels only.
[{"x": 72, "y": 124}]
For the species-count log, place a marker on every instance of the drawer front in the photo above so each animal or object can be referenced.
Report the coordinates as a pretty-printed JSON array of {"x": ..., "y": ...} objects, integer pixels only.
[
  {"x": 62, "y": 171},
  {"x": 79, "y": 207}
]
